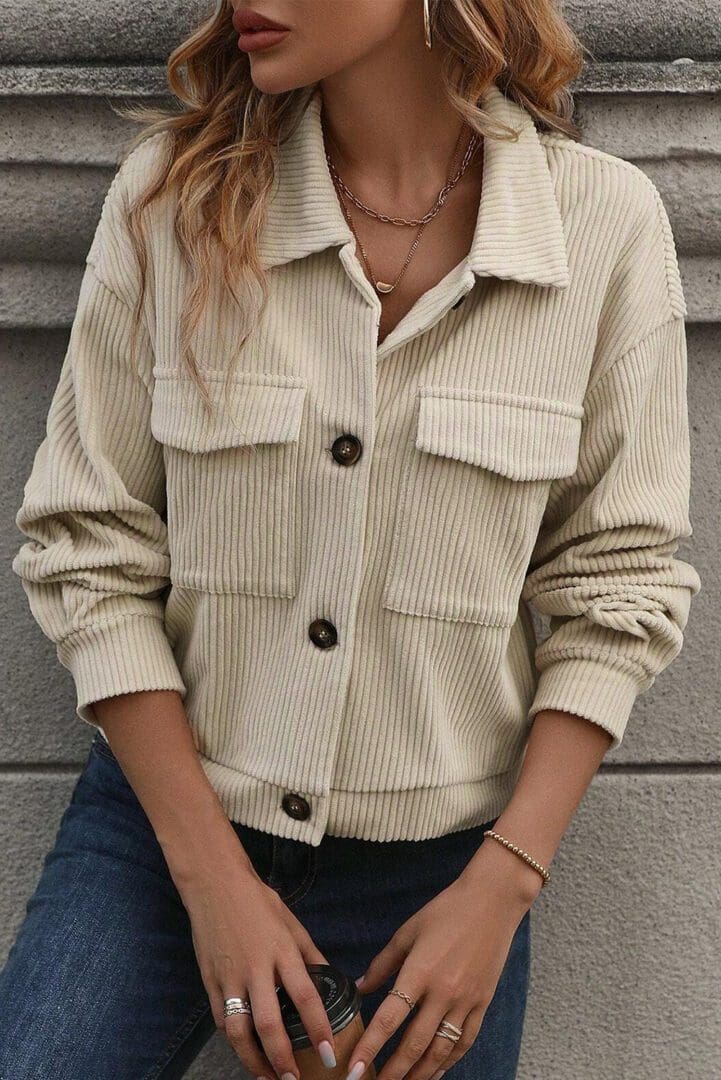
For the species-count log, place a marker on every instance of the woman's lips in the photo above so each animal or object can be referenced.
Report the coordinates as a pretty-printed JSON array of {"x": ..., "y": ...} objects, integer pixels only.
[{"x": 250, "y": 40}]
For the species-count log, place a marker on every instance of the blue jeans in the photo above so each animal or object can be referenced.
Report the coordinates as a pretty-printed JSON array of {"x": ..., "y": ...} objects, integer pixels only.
[{"x": 102, "y": 983}]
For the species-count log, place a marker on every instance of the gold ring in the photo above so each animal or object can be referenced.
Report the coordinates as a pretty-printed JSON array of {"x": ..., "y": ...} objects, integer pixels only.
[
  {"x": 447, "y": 1035},
  {"x": 447, "y": 1030},
  {"x": 400, "y": 994}
]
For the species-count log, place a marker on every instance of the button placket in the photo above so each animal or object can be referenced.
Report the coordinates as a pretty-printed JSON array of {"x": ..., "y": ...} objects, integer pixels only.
[
  {"x": 429, "y": 311},
  {"x": 344, "y": 448}
]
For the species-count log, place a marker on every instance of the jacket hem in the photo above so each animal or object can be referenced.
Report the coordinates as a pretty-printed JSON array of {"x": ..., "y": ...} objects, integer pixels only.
[{"x": 419, "y": 813}]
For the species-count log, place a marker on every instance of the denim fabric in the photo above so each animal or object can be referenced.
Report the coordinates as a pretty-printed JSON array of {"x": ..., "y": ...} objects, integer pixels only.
[{"x": 101, "y": 982}]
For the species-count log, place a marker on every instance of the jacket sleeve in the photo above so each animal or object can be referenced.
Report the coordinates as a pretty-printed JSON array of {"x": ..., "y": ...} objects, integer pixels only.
[
  {"x": 96, "y": 562},
  {"x": 604, "y": 569}
]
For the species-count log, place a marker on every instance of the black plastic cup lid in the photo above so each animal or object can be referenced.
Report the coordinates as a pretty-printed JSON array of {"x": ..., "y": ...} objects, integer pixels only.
[{"x": 339, "y": 994}]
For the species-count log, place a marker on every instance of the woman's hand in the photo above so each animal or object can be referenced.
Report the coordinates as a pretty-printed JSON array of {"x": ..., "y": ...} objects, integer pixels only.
[
  {"x": 247, "y": 942},
  {"x": 449, "y": 956}
]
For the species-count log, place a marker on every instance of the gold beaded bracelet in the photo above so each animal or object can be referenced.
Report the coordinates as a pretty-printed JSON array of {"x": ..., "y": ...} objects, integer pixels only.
[{"x": 523, "y": 854}]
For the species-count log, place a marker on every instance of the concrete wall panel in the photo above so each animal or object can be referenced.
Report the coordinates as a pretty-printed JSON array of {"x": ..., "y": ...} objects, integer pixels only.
[{"x": 38, "y": 30}]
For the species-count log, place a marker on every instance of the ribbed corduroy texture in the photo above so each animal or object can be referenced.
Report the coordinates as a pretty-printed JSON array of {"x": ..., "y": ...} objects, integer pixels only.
[{"x": 528, "y": 446}]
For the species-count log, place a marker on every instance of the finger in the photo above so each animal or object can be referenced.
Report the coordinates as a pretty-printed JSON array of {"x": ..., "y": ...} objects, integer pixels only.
[
  {"x": 304, "y": 993},
  {"x": 238, "y": 1030},
  {"x": 386, "y": 1020},
  {"x": 423, "y": 1049},
  {"x": 420, "y": 1040},
  {"x": 471, "y": 1027},
  {"x": 269, "y": 1026},
  {"x": 387, "y": 962}
]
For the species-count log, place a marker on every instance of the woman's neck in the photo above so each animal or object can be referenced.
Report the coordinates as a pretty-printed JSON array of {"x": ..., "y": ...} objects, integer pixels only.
[{"x": 391, "y": 130}]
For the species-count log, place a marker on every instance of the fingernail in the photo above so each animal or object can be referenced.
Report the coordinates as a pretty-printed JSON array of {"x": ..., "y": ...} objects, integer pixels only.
[
  {"x": 326, "y": 1054},
  {"x": 288, "y": 1076},
  {"x": 359, "y": 980},
  {"x": 358, "y": 1069}
]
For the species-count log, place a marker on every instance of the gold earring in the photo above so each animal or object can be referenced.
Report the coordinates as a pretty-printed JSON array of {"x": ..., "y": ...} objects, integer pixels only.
[{"x": 427, "y": 24}]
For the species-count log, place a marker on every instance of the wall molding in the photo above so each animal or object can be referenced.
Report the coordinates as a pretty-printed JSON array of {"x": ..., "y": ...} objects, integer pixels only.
[{"x": 149, "y": 80}]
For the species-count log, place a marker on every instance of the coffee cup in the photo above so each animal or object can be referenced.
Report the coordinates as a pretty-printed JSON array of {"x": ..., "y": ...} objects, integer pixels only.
[{"x": 341, "y": 999}]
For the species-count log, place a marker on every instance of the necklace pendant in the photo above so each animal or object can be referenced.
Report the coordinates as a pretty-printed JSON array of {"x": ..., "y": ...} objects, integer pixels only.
[{"x": 384, "y": 287}]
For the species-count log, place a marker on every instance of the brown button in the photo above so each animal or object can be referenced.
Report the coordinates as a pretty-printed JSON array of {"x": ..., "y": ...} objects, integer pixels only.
[
  {"x": 322, "y": 633},
  {"x": 296, "y": 806},
  {"x": 346, "y": 449}
]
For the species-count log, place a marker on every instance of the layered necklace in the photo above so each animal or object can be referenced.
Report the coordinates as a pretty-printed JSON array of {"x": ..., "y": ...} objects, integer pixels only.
[{"x": 344, "y": 192}]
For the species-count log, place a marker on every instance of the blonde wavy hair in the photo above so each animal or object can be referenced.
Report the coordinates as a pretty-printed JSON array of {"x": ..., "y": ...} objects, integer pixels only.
[{"x": 223, "y": 139}]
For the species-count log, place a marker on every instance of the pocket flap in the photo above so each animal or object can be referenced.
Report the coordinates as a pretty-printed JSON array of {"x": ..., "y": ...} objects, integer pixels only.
[
  {"x": 518, "y": 436},
  {"x": 255, "y": 408}
]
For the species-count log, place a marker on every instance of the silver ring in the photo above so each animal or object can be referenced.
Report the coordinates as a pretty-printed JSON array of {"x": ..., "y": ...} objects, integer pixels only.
[{"x": 233, "y": 1006}]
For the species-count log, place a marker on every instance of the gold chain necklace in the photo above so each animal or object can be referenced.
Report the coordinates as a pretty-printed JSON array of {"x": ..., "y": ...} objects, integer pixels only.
[{"x": 342, "y": 189}]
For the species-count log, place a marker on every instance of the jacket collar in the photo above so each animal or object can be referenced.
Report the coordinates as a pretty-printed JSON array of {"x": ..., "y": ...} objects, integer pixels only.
[{"x": 518, "y": 233}]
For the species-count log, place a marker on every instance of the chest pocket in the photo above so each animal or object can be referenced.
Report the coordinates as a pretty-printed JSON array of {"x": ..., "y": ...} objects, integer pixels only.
[
  {"x": 231, "y": 479},
  {"x": 472, "y": 495}
]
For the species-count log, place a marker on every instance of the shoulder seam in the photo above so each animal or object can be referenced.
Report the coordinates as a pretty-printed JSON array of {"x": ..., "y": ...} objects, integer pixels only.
[
  {"x": 673, "y": 275},
  {"x": 129, "y": 309},
  {"x": 676, "y": 300},
  {"x": 668, "y": 321},
  {"x": 98, "y": 277}
]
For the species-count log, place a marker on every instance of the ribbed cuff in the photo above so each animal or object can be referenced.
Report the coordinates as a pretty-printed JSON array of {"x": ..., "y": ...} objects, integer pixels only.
[
  {"x": 588, "y": 688},
  {"x": 120, "y": 656}
]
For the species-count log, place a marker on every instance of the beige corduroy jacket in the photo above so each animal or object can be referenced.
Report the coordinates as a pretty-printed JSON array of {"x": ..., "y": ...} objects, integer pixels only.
[{"x": 345, "y": 609}]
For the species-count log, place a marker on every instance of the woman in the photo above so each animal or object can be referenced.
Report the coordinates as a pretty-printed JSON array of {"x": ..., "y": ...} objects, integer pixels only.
[{"x": 371, "y": 355}]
